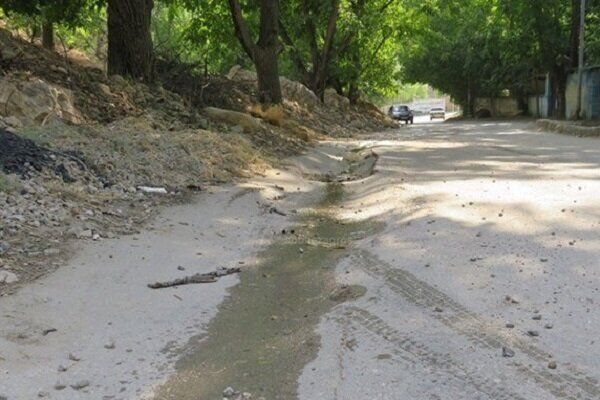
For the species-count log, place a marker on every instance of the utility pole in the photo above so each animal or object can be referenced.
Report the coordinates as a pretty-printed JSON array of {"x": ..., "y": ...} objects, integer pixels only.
[{"x": 581, "y": 59}]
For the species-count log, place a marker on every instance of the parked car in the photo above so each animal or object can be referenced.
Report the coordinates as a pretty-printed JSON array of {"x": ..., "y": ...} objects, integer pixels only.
[
  {"x": 437, "y": 112},
  {"x": 401, "y": 113}
]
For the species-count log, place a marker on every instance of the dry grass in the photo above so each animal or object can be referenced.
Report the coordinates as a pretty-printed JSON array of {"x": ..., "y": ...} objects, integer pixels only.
[
  {"x": 138, "y": 151},
  {"x": 9, "y": 183}
]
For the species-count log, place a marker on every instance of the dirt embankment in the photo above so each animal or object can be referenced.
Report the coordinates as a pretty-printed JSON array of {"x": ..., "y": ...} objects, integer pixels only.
[{"x": 81, "y": 154}]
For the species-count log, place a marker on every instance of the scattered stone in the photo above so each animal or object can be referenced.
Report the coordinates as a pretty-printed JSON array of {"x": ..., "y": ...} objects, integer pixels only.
[
  {"x": 110, "y": 345},
  {"x": 43, "y": 395},
  {"x": 62, "y": 368},
  {"x": 438, "y": 310},
  {"x": 80, "y": 384},
  {"x": 73, "y": 357},
  {"x": 548, "y": 326},
  {"x": 8, "y": 277},
  {"x": 507, "y": 353},
  {"x": 533, "y": 333},
  {"x": 552, "y": 365},
  {"x": 510, "y": 325},
  {"x": 85, "y": 234},
  {"x": 51, "y": 252},
  {"x": 4, "y": 247},
  {"x": 537, "y": 317},
  {"x": 229, "y": 392},
  {"x": 59, "y": 386},
  {"x": 511, "y": 300}
]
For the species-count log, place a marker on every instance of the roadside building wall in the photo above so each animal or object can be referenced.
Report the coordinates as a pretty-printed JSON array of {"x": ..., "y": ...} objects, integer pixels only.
[{"x": 590, "y": 93}]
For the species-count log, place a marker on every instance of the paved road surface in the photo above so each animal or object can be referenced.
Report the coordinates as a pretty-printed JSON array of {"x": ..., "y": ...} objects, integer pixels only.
[
  {"x": 466, "y": 267},
  {"x": 488, "y": 226}
]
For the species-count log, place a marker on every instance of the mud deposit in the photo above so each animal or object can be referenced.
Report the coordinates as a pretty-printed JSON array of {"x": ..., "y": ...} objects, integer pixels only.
[{"x": 264, "y": 333}]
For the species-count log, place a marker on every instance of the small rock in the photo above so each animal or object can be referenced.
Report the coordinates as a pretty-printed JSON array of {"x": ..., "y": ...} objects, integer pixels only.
[
  {"x": 73, "y": 357},
  {"x": 229, "y": 392},
  {"x": 80, "y": 384},
  {"x": 13, "y": 121},
  {"x": 110, "y": 345},
  {"x": 85, "y": 234},
  {"x": 552, "y": 365},
  {"x": 507, "y": 353},
  {"x": 548, "y": 326},
  {"x": 51, "y": 252},
  {"x": 533, "y": 333},
  {"x": 536, "y": 317},
  {"x": 438, "y": 310},
  {"x": 510, "y": 325},
  {"x": 43, "y": 395},
  {"x": 62, "y": 368},
  {"x": 8, "y": 277},
  {"x": 59, "y": 386},
  {"x": 4, "y": 247}
]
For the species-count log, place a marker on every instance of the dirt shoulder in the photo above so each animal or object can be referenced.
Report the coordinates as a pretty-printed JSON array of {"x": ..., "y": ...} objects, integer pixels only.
[
  {"x": 94, "y": 328},
  {"x": 85, "y": 157}
]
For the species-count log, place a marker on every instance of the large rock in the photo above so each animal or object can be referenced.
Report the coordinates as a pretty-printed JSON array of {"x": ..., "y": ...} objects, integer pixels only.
[
  {"x": 291, "y": 90},
  {"x": 246, "y": 121},
  {"x": 334, "y": 100},
  {"x": 36, "y": 102}
]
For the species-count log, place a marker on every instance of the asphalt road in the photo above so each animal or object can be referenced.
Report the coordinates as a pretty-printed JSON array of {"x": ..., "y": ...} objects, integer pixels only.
[
  {"x": 465, "y": 267},
  {"x": 484, "y": 283}
]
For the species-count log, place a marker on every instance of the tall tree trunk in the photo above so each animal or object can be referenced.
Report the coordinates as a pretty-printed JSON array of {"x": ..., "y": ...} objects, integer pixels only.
[
  {"x": 48, "y": 35},
  {"x": 130, "y": 49},
  {"x": 264, "y": 53}
]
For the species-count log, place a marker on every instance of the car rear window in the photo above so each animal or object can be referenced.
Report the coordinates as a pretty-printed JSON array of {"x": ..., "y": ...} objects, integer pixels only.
[{"x": 400, "y": 108}]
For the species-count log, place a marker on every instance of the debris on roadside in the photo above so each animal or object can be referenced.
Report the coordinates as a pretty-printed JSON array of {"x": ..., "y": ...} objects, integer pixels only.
[
  {"x": 152, "y": 190},
  {"x": 274, "y": 210},
  {"x": 507, "y": 353},
  {"x": 210, "y": 277},
  {"x": 231, "y": 394}
]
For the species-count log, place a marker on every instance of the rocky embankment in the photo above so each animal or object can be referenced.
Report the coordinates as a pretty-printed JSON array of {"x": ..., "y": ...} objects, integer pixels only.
[{"x": 84, "y": 156}]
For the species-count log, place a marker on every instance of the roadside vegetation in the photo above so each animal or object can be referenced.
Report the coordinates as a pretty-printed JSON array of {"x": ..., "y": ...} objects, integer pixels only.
[{"x": 490, "y": 48}]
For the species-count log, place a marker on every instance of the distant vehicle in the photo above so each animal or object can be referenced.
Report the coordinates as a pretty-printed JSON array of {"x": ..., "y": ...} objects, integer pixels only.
[
  {"x": 437, "y": 112},
  {"x": 401, "y": 113}
]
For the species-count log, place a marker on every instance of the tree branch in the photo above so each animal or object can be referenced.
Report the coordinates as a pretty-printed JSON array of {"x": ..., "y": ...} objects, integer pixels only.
[
  {"x": 241, "y": 29},
  {"x": 295, "y": 53}
]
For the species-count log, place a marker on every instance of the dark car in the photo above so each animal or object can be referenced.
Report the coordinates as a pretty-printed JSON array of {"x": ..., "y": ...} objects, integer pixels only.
[{"x": 401, "y": 113}]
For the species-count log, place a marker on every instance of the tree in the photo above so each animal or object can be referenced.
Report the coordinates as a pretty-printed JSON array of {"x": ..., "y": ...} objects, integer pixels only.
[
  {"x": 263, "y": 52},
  {"x": 311, "y": 43},
  {"x": 130, "y": 48},
  {"x": 47, "y": 13}
]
